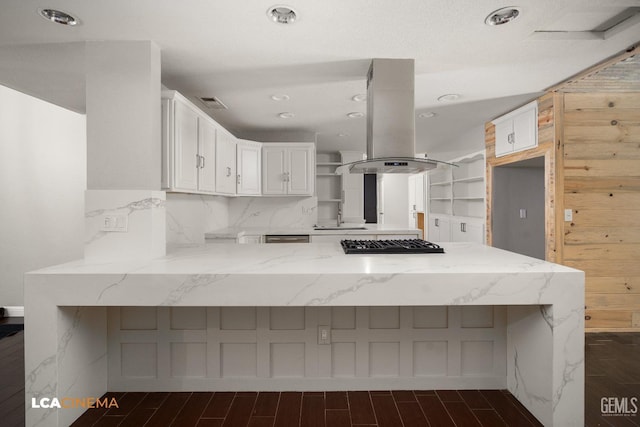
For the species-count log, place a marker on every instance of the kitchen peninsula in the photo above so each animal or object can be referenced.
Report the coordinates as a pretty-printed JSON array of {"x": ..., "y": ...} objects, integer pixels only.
[{"x": 75, "y": 312}]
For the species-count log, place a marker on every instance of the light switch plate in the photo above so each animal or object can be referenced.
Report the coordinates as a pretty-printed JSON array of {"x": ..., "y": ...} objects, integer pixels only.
[
  {"x": 523, "y": 213},
  {"x": 635, "y": 319},
  {"x": 568, "y": 215}
]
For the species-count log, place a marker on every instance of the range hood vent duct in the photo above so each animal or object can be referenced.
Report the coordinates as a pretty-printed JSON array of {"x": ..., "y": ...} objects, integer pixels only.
[{"x": 391, "y": 125}]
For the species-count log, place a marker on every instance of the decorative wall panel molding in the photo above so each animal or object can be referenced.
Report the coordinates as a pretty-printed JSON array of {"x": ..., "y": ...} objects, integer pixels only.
[{"x": 260, "y": 348}]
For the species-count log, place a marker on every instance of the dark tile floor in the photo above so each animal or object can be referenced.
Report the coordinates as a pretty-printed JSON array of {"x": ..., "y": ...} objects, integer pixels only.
[
  {"x": 612, "y": 370},
  {"x": 441, "y": 408}
]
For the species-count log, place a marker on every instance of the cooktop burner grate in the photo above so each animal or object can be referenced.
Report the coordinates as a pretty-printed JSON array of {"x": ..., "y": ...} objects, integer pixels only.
[{"x": 409, "y": 246}]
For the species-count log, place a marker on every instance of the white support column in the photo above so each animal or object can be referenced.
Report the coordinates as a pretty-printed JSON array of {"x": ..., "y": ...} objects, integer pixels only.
[{"x": 124, "y": 208}]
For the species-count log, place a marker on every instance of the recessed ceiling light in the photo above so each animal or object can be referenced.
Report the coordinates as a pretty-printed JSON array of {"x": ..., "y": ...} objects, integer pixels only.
[
  {"x": 359, "y": 97},
  {"x": 449, "y": 97},
  {"x": 282, "y": 14},
  {"x": 355, "y": 115},
  {"x": 502, "y": 16},
  {"x": 427, "y": 115},
  {"x": 286, "y": 115},
  {"x": 280, "y": 97},
  {"x": 58, "y": 17}
]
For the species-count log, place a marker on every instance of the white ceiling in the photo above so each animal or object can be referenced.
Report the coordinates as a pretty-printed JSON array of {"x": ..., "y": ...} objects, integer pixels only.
[{"x": 231, "y": 50}]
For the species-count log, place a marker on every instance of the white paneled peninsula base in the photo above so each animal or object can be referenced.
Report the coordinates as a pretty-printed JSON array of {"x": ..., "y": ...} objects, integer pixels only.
[{"x": 70, "y": 311}]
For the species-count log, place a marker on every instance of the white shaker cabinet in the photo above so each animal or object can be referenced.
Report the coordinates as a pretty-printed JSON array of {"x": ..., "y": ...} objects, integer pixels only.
[
  {"x": 467, "y": 230},
  {"x": 225, "y": 163},
  {"x": 517, "y": 130},
  {"x": 439, "y": 229},
  {"x": 248, "y": 168},
  {"x": 206, "y": 151},
  {"x": 188, "y": 144},
  {"x": 288, "y": 169}
]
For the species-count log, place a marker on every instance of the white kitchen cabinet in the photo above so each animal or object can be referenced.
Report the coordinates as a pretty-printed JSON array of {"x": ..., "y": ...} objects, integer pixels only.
[
  {"x": 185, "y": 147},
  {"x": 467, "y": 230},
  {"x": 188, "y": 144},
  {"x": 248, "y": 168},
  {"x": 225, "y": 163},
  {"x": 206, "y": 151},
  {"x": 352, "y": 192},
  {"x": 517, "y": 130},
  {"x": 439, "y": 229},
  {"x": 288, "y": 169}
]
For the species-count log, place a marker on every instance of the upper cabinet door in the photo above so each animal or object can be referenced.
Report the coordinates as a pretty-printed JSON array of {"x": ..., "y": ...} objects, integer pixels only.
[
  {"x": 225, "y": 162},
  {"x": 207, "y": 148},
  {"x": 517, "y": 130},
  {"x": 273, "y": 170},
  {"x": 525, "y": 126},
  {"x": 249, "y": 168},
  {"x": 504, "y": 144},
  {"x": 301, "y": 173},
  {"x": 288, "y": 169},
  {"x": 185, "y": 148}
]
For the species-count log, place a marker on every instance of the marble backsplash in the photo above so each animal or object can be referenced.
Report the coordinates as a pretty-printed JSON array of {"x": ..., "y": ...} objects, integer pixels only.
[
  {"x": 189, "y": 216},
  {"x": 290, "y": 212},
  {"x": 143, "y": 212}
]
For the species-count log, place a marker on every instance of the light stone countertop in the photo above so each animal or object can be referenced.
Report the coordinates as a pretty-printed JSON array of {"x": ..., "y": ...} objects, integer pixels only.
[
  {"x": 545, "y": 304},
  {"x": 316, "y": 258},
  {"x": 234, "y": 232}
]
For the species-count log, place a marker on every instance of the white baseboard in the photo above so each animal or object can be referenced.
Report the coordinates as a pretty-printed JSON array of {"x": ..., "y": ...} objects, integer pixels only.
[{"x": 14, "y": 311}]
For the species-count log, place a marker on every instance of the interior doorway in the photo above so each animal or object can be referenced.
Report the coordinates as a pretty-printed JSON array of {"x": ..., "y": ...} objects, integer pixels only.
[{"x": 518, "y": 207}]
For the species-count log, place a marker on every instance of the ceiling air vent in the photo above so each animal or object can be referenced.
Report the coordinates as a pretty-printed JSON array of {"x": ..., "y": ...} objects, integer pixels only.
[{"x": 213, "y": 103}]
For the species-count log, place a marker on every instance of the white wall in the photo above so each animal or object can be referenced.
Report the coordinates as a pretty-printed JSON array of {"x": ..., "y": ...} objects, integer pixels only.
[
  {"x": 469, "y": 142},
  {"x": 43, "y": 176}
]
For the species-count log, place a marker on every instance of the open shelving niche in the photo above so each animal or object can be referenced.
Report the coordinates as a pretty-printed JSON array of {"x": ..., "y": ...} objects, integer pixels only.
[
  {"x": 328, "y": 187},
  {"x": 458, "y": 193}
]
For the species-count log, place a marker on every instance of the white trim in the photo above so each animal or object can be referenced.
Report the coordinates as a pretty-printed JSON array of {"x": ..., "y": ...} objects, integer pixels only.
[{"x": 14, "y": 311}]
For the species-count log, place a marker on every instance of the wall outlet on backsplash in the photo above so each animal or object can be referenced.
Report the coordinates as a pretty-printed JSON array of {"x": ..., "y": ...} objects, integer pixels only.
[{"x": 307, "y": 210}]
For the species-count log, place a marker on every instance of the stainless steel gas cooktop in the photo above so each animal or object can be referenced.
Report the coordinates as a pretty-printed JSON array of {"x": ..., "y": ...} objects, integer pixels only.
[{"x": 409, "y": 246}]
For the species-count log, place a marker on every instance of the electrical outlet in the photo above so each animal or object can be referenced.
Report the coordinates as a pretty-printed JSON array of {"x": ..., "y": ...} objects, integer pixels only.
[
  {"x": 115, "y": 222},
  {"x": 324, "y": 335},
  {"x": 568, "y": 215},
  {"x": 523, "y": 213}
]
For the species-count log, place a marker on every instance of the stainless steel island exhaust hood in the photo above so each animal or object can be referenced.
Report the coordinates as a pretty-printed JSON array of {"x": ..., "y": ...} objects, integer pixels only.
[{"x": 391, "y": 126}]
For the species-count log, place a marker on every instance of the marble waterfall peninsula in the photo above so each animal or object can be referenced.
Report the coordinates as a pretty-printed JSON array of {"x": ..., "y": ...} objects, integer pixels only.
[{"x": 246, "y": 317}]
